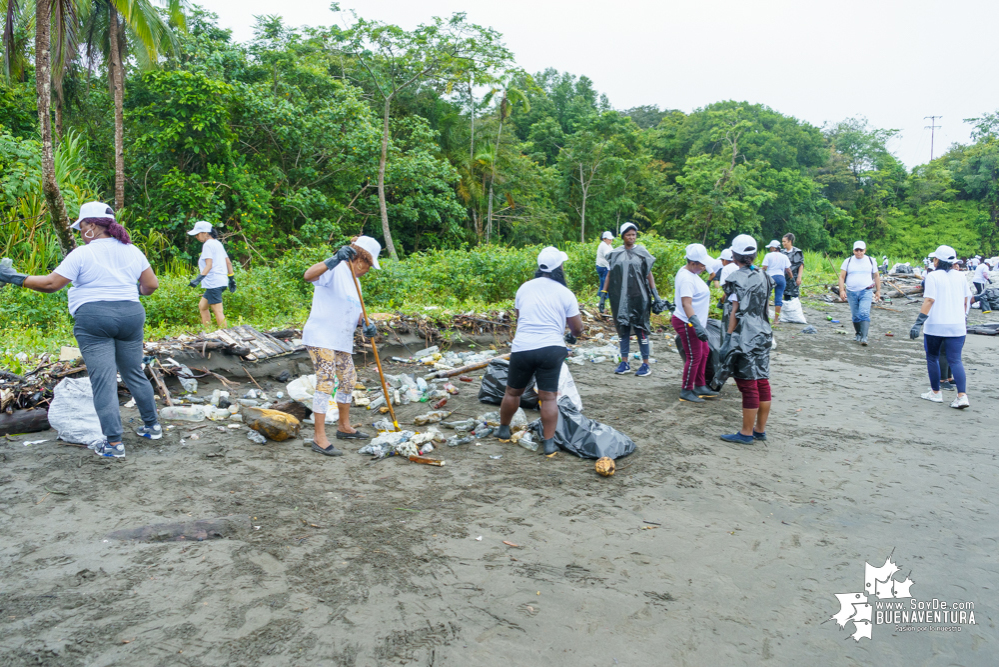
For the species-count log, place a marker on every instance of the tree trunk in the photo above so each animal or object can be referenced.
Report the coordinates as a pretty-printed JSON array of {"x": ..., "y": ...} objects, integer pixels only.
[
  {"x": 117, "y": 81},
  {"x": 43, "y": 87},
  {"x": 582, "y": 212},
  {"x": 492, "y": 178},
  {"x": 471, "y": 130},
  {"x": 381, "y": 182}
]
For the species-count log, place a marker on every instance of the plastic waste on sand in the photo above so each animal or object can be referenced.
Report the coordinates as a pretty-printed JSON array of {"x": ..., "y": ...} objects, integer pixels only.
[
  {"x": 792, "y": 313},
  {"x": 431, "y": 417},
  {"x": 303, "y": 388},
  {"x": 193, "y": 413},
  {"x": 809, "y": 330},
  {"x": 275, "y": 425},
  {"x": 258, "y": 438},
  {"x": 584, "y": 437},
  {"x": 72, "y": 412}
]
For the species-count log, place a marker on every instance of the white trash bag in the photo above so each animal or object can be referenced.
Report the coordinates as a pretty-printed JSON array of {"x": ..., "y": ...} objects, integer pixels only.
[
  {"x": 792, "y": 312},
  {"x": 302, "y": 389},
  {"x": 72, "y": 412},
  {"x": 567, "y": 387}
]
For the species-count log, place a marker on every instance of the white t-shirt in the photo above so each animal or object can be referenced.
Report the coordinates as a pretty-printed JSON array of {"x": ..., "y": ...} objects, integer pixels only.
[
  {"x": 775, "y": 263},
  {"x": 218, "y": 276},
  {"x": 336, "y": 310},
  {"x": 602, "y": 251},
  {"x": 728, "y": 270},
  {"x": 858, "y": 273},
  {"x": 948, "y": 289},
  {"x": 713, "y": 265},
  {"x": 543, "y": 305},
  {"x": 981, "y": 274},
  {"x": 687, "y": 284},
  {"x": 102, "y": 270}
]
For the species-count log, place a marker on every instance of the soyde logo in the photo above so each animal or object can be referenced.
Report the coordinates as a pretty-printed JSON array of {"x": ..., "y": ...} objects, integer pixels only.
[{"x": 889, "y": 601}]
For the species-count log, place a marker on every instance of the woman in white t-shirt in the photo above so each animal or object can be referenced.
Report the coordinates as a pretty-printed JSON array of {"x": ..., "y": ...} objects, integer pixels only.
[
  {"x": 108, "y": 319},
  {"x": 603, "y": 266},
  {"x": 946, "y": 299},
  {"x": 544, "y": 307},
  {"x": 860, "y": 284},
  {"x": 328, "y": 335},
  {"x": 778, "y": 267},
  {"x": 215, "y": 274},
  {"x": 692, "y": 298}
]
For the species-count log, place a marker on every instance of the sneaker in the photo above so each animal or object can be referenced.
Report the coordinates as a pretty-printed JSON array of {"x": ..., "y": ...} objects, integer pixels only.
[
  {"x": 623, "y": 368},
  {"x": 108, "y": 450},
  {"x": 643, "y": 371},
  {"x": 759, "y": 436},
  {"x": 961, "y": 402},
  {"x": 739, "y": 438},
  {"x": 933, "y": 396},
  {"x": 154, "y": 432},
  {"x": 950, "y": 386}
]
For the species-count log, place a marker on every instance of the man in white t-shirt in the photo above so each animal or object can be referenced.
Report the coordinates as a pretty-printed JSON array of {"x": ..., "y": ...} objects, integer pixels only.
[
  {"x": 778, "y": 267},
  {"x": 981, "y": 278},
  {"x": 544, "y": 307},
  {"x": 860, "y": 284}
]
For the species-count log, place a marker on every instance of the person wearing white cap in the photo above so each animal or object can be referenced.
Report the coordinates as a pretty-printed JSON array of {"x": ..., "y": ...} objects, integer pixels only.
[
  {"x": 884, "y": 265},
  {"x": 633, "y": 296},
  {"x": 778, "y": 267},
  {"x": 328, "y": 335},
  {"x": 746, "y": 350},
  {"x": 603, "y": 266},
  {"x": 693, "y": 299},
  {"x": 214, "y": 274},
  {"x": 544, "y": 307},
  {"x": 860, "y": 284},
  {"x": 728, "y": 265},
  {"x": 108, "y": 318},
  {"x": 981, "y": 278},
  {"x": 946, "y": 299}
]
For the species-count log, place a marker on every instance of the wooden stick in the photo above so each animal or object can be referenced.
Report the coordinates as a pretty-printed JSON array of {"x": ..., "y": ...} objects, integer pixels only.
[
  {"x": 251, "y": 377},
  {"x": 159, "y": 383},
  {"x": 463, "y": 369},
  {"x": 374, "y": 348}
]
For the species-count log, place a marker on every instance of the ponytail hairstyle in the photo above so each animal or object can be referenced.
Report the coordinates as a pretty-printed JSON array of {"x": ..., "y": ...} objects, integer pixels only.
[
  {"x": 116, "y": 231},
  {"x": 557, "y": 274},
  {"x": 944, "y": 266},
  {"x": 214, "y": 233},
  {"x": 743, "y": 260}
]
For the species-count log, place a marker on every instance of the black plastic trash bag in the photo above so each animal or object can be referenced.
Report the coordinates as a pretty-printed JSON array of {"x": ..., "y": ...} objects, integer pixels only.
[
  {"x": 991, "y": 295},
  {"x": 715, "y": 373},
  {"x": 627, "y": 287},
  {"x": 494, "y": 386},
  {"x": 746, "y": 352},
  {"x": 584, "y": 437}
]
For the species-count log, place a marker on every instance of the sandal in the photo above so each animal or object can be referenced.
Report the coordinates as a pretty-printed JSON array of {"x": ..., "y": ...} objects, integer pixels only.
[{"x": 356, "y": 435}]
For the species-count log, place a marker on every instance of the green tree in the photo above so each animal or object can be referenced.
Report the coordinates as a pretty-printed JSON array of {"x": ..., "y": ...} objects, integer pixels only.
[{"x": 508, "y": 96}]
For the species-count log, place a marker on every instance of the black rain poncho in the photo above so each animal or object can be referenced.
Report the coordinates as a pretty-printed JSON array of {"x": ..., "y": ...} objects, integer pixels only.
[
  {"x": 747, "y": 349},
  {"x": 630, "y": 297},
  {"x": 797, "y": 258}
]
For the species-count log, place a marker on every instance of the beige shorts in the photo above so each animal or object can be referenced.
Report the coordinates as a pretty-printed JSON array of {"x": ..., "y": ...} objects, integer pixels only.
[{"x": 333, "y": 365}]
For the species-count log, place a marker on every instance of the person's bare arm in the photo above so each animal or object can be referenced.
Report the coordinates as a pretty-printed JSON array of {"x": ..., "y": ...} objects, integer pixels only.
[
  {"x": 731, "y": 317},
  {"x": 652, "y": 281},
  {"x": 228, "y": 267},
  {"x": 842, "y": 285},
  {"x": 313, "y": 272},
  {"x": 687, "y": 303},
  {"x": 877, "y": 285},
  {"x": 208, "y": 266},
  {"x": 46, "y": 284},
  {"x": 801, "y": 273},
  {"x": 148, "y": 282},
  {"x": 575, "y": 324},
  {"x": 928, "y": 304}
]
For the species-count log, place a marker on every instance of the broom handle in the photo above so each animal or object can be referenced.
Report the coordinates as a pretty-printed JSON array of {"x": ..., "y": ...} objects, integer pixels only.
[{"x": 374, "y": 348}]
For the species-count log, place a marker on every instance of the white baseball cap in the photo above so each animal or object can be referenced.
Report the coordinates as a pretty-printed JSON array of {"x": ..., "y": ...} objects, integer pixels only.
[
  {"x": 551, "y": 258},
  {"x": 744, "y": 244},
  {"x": 93, "y": 209},
  {"x": 626, "y": 226},
  {"x": 696, "y": 252},
  {"x": 372, "y": 246},
  {"x": 945, "y": 254},
  {"x": 201, "y": 227},
  {"x": 773, "y": 244},
  {"x": 606, "y": 235},
  {"x": 726, "y": 254},
  {"x": 859, "y": 245}
]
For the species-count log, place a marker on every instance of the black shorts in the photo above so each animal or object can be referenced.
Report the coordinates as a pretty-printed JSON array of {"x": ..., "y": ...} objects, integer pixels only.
[
  {"x": 544, "y": 364},
  {"x": 213, "y": 295}
]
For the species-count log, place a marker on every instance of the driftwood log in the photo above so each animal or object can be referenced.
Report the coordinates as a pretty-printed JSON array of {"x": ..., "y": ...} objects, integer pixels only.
[
  {"x": 24, "y": 421},
  {"x": 463, "y": 369}
]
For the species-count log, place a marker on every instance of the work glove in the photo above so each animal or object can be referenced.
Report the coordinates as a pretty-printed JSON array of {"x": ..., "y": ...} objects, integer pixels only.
[
  {"x": 370, "y": 330},
  {"x": 232, "y": 283},
  {"x": 699, "y": 329},
  {"x": 570, "y": 339},
  {"x": 344, "y": 254},
  {"x": 197, "y": 281},
  {"x": 914, "y": 331},
  {"x": 9, "y": 275}
]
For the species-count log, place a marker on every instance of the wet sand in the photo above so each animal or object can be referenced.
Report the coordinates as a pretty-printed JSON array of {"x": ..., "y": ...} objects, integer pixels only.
[{"x": 697, "y": 552}]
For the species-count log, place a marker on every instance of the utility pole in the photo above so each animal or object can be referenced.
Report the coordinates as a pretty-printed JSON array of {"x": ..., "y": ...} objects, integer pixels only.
[{"x": 932, "y": 128}]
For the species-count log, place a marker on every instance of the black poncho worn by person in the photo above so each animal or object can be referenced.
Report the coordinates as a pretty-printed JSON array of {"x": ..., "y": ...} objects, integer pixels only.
[
  {"x": 632, "y": 299},
  {"x": 747, "y": 349},
  {"x": 797, "y": 258}
]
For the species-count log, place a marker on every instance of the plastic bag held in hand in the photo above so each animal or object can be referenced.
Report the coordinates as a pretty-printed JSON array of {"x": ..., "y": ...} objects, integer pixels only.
[
  {"x": 698, "y": 328},
  {"x": 344, "y": 254},
  {"x": 197, "y": 281},
  {"x": 9, "y": 275},
  {"x": 914, "y": 331}
]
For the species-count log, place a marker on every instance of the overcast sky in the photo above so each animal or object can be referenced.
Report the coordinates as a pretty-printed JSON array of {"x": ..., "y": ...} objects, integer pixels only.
[{"x": 822, "y": 61}]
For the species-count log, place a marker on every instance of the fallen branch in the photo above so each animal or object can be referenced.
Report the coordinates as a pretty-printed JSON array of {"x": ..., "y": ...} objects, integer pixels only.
[
  {"x": 463, "y": 369},
  {"x": 159, "y": 383}
]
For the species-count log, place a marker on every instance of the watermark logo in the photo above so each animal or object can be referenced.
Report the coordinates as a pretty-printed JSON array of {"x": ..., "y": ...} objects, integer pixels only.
[{"x": 888, "y": 600}]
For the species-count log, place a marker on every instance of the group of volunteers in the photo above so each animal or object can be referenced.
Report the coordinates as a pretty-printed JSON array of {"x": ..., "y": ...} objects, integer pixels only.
[{"x": 108, "y": 274}]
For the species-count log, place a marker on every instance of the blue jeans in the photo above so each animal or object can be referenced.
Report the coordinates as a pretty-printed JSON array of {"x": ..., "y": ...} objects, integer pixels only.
[
  {"x": 860, "y": 304},
  {"x": 602, "y": 273},
  {"x": 951, "y": 347},
  {"x": 780, "y": 283}
]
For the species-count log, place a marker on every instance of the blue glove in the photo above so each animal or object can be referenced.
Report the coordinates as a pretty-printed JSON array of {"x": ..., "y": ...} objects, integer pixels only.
[
  {"x": 914, "y": 331},
  {"x": 9, "y": 275},
  {"x": 197, "y": 281},
  {"x": 344, "y": 254},
  {"x": 370, "y": 330}
]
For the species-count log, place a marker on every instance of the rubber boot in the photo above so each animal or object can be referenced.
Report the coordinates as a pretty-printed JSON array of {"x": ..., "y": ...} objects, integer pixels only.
[
  {"x": 705, "y": 392},
  {"x": 687, "y": 396},
  {"x": 503, "y": 432},
  {"x": 603, "y": 300},
  {"x": 856, "y": 327},
  {"x": 864, "y": 328},
  {"x": 550, "y": 446}
]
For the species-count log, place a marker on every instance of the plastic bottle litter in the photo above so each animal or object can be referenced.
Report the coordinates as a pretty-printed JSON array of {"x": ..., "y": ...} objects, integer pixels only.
[
  {"x": 236, "y": 418},
  {"x": 463, "y": 425},
  {"x": 248, "y": 402},
  {"x": 383, "y": 425},
  {"x": 598, "y": 360},
  {"x": 439, "y": 404},
  {"x": 431, "y": 417},
  {"x": 272, "y": 423},
  {"x": 519, "y": 418},
  {"x": 483, "y": 432},
  {"x": 377, "y": 403},
  {"x": 234, "y": 408},
  {"x": 183, "y": 413},
  {"x": 218, "y": 414},
  {"x": 426, "y": 352},
  {"x": 218, "y": 395},
  {"x": 189, "y": 384},
  {"x": 491, "y": 418},
  {"x": 456, "y": 440},
  {"x": 451, "y": 389},
  {"x": 253, "y": 436},
  {"x": 465, "y": 378},
  {"x": 421, "y": 384},
  {"x": 528, "y": 442}
]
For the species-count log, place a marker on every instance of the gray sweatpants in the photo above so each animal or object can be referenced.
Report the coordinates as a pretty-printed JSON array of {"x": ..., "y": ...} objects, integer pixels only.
[{"x": 109, "y": 334}]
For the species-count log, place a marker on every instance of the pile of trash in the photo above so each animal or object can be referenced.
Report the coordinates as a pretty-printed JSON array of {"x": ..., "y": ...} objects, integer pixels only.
[
  {"x": 402, "y": 443},
  {"x": 446, "y": 361},
  {"x": 484, "y": 426}
]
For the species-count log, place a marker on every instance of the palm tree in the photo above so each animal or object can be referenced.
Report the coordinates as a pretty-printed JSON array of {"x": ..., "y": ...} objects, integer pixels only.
[
  {"x": 111, "y": 27},
  {"x": 509, "y": 95}
]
